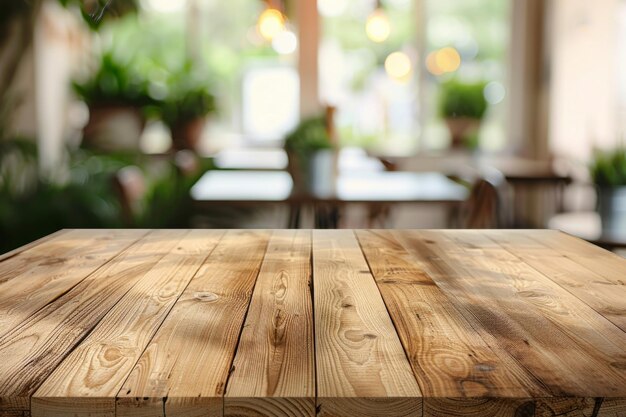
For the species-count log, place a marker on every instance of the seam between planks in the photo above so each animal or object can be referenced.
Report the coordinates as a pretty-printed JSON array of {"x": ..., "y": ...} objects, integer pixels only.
[
  {"x": 586, "y": 268},
  {"x": 314, "y": 338},
  {"x": 243, "y": 323},
  {"x": 98, "y": 268},
  {"x": 117, "y": 395},
  {"x": 88, "y": 333},
  {"x": 464, "y": 312},
  {"x": 393, "y": 322},
  {"x": 555, "y": 282}
]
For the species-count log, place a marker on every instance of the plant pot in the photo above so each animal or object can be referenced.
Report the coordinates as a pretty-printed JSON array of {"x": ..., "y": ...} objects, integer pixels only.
[
  {"x": 187, "y": 134},
  {"x": 612, "y": 211},
  {"x": 460, "y": 128},
  {"x": 113, "y": 128},
  {"x": 315, "y": 174}
]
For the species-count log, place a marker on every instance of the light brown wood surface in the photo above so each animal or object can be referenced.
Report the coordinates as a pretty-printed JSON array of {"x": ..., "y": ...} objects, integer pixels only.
[
  {"x": 274, "y": 370},
  {"x": 360, "y": 361},
  {"x": 304, "y": 323}
]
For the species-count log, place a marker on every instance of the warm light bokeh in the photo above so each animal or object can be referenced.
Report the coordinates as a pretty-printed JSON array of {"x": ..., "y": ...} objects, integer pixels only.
[
  {"x": 443, "y": 61},
  {"x": 271, "y": 23},
  {"x": 398, "y": 66},
  {"x": 377, "y": 26}
]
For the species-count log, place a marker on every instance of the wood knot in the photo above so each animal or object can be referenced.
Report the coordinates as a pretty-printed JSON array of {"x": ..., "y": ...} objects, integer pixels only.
[
  {"x": 205, "y": 296},
  {"x": 526, "y": 410}
]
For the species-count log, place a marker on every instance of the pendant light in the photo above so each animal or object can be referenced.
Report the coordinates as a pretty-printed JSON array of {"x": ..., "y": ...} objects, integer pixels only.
[{"x": 377, "y": 26}]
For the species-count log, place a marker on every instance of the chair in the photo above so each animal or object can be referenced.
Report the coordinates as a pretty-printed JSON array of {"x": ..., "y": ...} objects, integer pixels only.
[
  {"x": 130, "y": 186},
  {"x": 488, "y": 206}
]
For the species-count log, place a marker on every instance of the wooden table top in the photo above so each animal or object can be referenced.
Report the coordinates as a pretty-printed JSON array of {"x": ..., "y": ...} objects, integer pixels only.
[{"x": 299, "y": 323}]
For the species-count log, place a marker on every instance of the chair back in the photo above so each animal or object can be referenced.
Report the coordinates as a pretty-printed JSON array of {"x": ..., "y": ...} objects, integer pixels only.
[
  {"x": 130, "y": 185},
  {"x": 488, "y": 206}
]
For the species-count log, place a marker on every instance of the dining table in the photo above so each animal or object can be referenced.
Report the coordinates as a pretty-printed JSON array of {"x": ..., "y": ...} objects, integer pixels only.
[
  {"x": 206, "y": 322},
  {"x": 377, "y": 190}
]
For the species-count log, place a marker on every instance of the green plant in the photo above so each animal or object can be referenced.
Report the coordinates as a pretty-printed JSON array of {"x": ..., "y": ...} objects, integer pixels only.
[
  {"x": 31, "y": 206},
  {"x": 187, "y": 98},
  {"x": 309, "y": 136},
  {"x": 114, "y": 83},
  {"x": 608, "y": 168},
  {"x": 459, "y": 99}
]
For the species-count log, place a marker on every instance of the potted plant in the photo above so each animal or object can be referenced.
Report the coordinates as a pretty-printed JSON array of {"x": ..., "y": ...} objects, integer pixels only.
[
  {"x": 185, "y": 108},
  {"x": 608, "y": 171},
  {"x": 116, "y": 97},
  {"x": 311, "y": 158},
  {"x": 463, "y": 106}
]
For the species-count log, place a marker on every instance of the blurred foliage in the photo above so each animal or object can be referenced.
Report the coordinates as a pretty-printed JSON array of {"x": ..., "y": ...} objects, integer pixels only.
[
  {"x": 608, "y": 168},
  {"x": 114, "y": 83},
  {"x": 184, "y": 97},
  {"x": 95, "y": 12},
  {"x": 159, "y": 47},
  {"x": 152, "y": 72},
  {"x": 309, "y": 136},
  {"x": 459, "y": 99},
  {"x": 32, "y": 207}
]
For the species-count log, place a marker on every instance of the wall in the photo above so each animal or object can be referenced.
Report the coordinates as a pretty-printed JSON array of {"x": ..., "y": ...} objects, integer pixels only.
[{"x": 584, "y": 98}]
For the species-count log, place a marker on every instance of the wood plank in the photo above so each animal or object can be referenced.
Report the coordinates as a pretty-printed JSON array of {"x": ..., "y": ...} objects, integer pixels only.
[
  {"x": 273, "y": 371},
  {"x": 32, "y": 244},
  {"x": 613, "y": 407},
  {"x": 541, "y": 347},
  {"x": 478, "y": 407},
  {"x": 591, "y": 331},
  {"x": 184, "y": 369},
  {"x": 21, "y": 259},
  {"x": 53, "y": 268},
  {"x": 98, "y": 367},
  {"x": 33, "y": 350},
  {"x": 567, "y": 407},
  {"x": 592, "y": 274},
  {"x": 571, "y": 293},
  {"x": 449, "y": 358},
  {"x": 361, "y": 364}
]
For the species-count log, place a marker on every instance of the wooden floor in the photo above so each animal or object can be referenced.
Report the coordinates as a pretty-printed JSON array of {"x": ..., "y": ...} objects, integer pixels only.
[{"x": 302, "y": 323}]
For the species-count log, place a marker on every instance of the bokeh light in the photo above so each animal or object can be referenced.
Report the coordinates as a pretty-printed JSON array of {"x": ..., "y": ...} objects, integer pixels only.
[
  {"x": 494, "y": 92},
  {"x": 431, "y": 64},
  {"x": 448, "y": 59},
  {"x": 285, "y": 42},
  {"x": 398, "y": 66},
  {"x": 332, "y": 8},
  {"x": 377, "y": 26},
  {"x": 444, "y": 60},
  {"x": 271, "y": 23}
]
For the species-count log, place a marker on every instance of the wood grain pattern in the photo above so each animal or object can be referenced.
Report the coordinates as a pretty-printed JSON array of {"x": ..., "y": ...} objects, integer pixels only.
[
  {"x": 99, "y": 366},
  {"x": 185, "y": 367},
  {"x": 32, "y": 351},
  {"x": 44, "y": 273},
  {"x": 435, "y": 334},
  {"x": 301, "y": 323},
  {"x": 273, "y": 371},
  {"x": 591, "y": 331},
  {"x": 484, "y": 286},
  {"x": 359, "y": 355},
  {"x": 32, "y": 244},
  {"x": 588, "y": 272},
  {"x": 478, "y": 407}
]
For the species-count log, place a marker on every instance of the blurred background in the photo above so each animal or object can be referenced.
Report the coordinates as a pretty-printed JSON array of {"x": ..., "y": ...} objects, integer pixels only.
[{"x": 313, "y": 114}]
